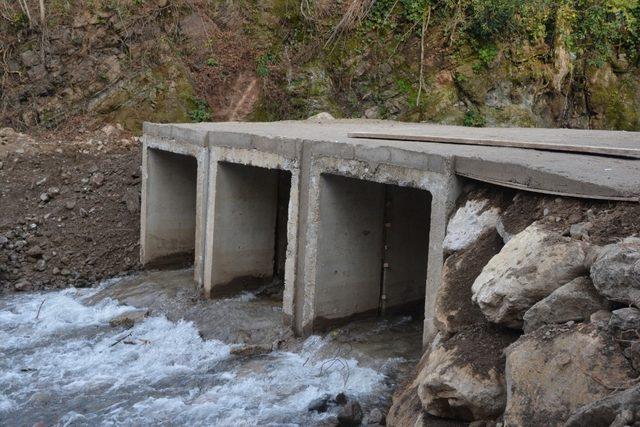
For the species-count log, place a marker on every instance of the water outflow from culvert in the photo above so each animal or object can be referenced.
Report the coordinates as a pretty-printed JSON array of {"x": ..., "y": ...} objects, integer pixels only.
[{"x": 62, "y": 363}]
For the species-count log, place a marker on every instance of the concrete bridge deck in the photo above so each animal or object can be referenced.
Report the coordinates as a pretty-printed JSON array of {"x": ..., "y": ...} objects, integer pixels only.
[
  {"x": 352, "y": 225},
  {"x": 553, "y": 172}
]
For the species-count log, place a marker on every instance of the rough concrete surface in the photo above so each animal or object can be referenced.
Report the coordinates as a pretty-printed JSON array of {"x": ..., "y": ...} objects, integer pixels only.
[{"x": 325, "y": 279}]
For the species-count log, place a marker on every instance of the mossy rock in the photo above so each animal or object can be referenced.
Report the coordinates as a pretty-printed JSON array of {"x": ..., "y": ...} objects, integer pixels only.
[
  {"x": 511, "y": 116},
  {"x": 163, "y": 94},
  {"x": 613, "y": 99},
  {"x": 474, "y": 85}
]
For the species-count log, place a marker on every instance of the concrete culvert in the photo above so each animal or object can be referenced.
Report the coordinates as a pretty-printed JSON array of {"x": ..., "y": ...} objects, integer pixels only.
[
  {"x": 250, "y": 227},
  {"x": 170, "y": 214},
  {"x": 372, "y": 249}
]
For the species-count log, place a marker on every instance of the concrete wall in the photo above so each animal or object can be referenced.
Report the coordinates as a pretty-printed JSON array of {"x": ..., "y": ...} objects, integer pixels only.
[
  {"x": 425, "y": 201},
  {"x": 171, "y": 207},
  {"x": 245, "y": 224},
  {"x": 372, "y": 248},
  {"x": 252, "y": 226},
  {"x": 349, "y": 251},
  {"x": 408, "y": 214}
]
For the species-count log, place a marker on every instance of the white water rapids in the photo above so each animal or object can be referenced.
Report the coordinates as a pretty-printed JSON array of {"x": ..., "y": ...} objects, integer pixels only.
[{"x": 61, "y": 363}]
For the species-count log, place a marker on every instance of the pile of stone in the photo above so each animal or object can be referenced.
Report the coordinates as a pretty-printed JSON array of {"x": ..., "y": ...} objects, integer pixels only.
[{"x": 537, "y": 326}]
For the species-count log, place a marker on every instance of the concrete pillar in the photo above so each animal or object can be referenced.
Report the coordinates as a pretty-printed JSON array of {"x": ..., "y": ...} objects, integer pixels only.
[{"x": 443, "y": 203}]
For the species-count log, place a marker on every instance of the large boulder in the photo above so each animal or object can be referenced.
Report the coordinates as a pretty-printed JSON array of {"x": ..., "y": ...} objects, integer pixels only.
[
  {"x": 576, "y": 301},
  {"x": 406, "y": 409},
  {"x": 616, "y": 271},
  {"x": 555, "y": 370},
  {"x": 463, "y": 377},
  {"x": 625, "y": 319},
  {"x": 469, "y": 222},
  {"x": 454, "y": 308},
  {"x": 531, "y": 265},
  {"x": 603, "y": 412}
]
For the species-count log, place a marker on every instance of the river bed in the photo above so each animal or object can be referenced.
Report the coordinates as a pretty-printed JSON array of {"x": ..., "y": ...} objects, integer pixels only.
[{"x": 63, "y": 363}]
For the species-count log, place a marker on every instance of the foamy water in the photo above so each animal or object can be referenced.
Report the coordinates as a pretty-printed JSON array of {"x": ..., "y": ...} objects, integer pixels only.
[{"x": 61, "y": 363}]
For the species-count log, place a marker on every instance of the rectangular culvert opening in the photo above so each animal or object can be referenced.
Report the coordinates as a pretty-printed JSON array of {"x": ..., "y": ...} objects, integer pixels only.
[
  {"x": 171, "y": 209},
  {"x": 373, "y": 243},
  {"x": 250, "y": 229}
]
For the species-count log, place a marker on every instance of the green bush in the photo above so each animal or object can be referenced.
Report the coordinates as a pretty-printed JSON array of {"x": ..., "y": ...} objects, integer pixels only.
[
  {"x": 201, "y": 113},
  {"x": 262, "y": 66},
  {"x": 491, "y": 19},
  {"x": 474, "y": 119}
]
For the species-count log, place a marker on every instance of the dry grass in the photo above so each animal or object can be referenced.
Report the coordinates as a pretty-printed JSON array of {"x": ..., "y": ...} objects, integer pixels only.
[{"x": 355, "y": 13}]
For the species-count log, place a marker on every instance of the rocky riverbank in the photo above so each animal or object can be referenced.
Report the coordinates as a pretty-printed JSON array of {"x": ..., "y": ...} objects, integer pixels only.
[{"x": 537, "y": 316}]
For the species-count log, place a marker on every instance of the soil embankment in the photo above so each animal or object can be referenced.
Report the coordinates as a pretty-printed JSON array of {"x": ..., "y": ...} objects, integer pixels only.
[{"x": 69, "y": 210}]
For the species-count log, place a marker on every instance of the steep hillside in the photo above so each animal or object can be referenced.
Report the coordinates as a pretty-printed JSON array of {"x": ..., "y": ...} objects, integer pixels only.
[{"x": 571, "y": 63}]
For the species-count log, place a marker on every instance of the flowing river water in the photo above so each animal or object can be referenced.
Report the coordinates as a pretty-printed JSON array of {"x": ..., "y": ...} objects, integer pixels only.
[{"x": 63, "y": 361}]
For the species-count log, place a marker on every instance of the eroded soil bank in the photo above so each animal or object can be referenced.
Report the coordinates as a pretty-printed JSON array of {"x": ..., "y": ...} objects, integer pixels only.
[{"x": 69, "y": 209}]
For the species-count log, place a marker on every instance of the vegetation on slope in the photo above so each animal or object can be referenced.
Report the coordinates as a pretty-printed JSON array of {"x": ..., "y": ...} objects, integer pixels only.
[{"x": 568, "y": 63}]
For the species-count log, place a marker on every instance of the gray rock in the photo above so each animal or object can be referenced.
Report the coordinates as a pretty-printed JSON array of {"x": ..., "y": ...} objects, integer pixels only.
[
  {"x": 372, "y": 113},
  {"x": 41, "y": 265},
  {"x": 625, "y": 319},
  {"x": 131, "y": 198},
  {"x": 532, "y": 265},
  {"x": 320, "y": 404},
  {"x": 551, "y": 372},
  {"x": 624, "y": 418},
  {"x": 350, "y": 414},
  {"x": 580, "y": 230},
  {"x": 97, "y": 179},
  {"x": 70, "y": 204},
  {"x": 3, "y": 241},
  {"x": 375, "y": 417},
  {"x": 44, "y": 197},
  {"x": 606, "y": 411},
  {"x": 35, "y": 251},
  {"x": 129, "y": 318},
  {"x": 321, "y": 117},
  {"x": 247, "y": 350},
  {"x": 29, "y": 58},
  {"x": 53, "y": 191},
  {"x": 23, "y": 285},
  {"x": 600, "y": 318},
  {"x": 576, "y": 301},
  {"x": 463, "y": 377},
  {"x": 616, "y": 271}
]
